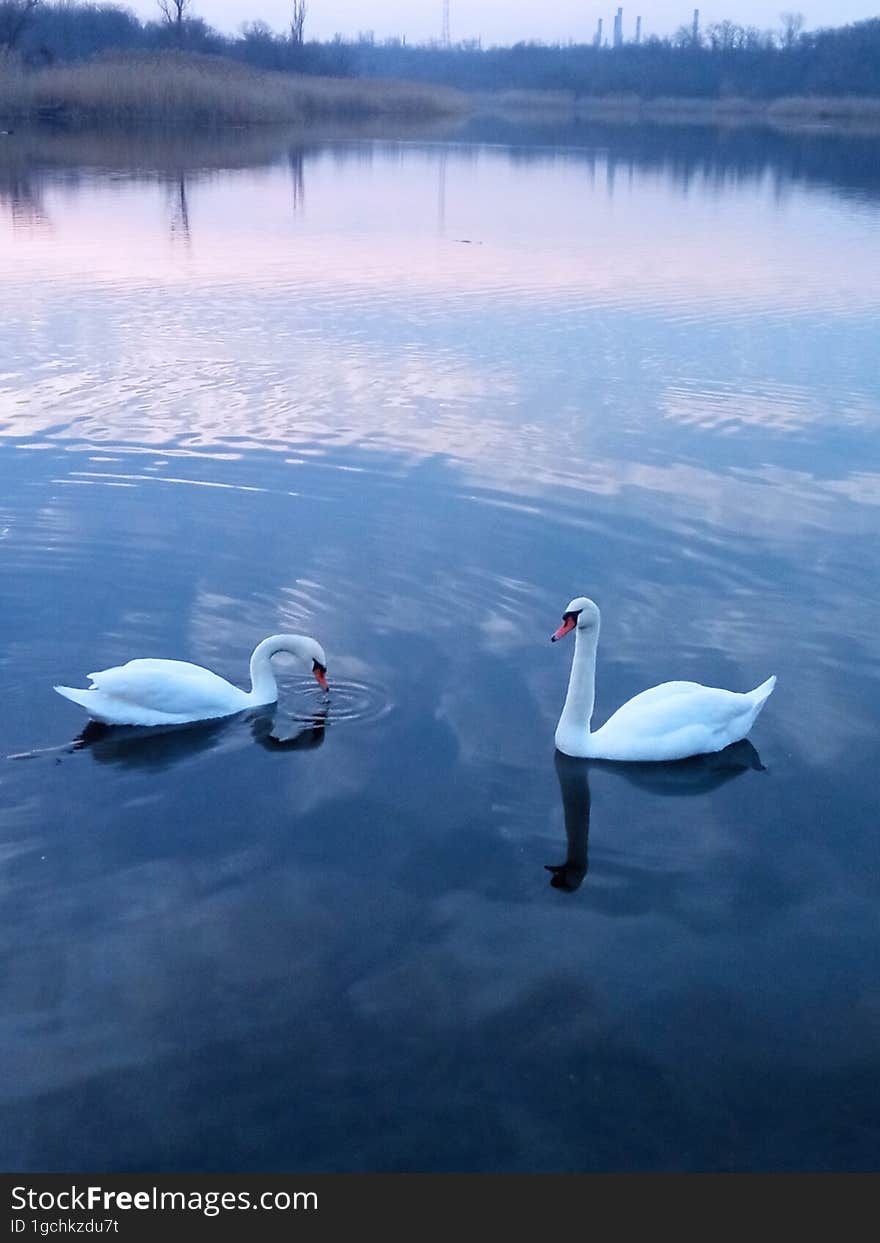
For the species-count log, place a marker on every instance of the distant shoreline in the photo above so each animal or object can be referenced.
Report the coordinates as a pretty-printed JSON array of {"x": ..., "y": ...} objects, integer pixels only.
[
  {"x": 844, "y": 112},
  {"x": 174, "y": 89}
]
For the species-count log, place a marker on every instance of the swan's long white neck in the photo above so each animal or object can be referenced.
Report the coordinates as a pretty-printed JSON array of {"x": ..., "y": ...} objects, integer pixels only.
[
  {"x": 578, "y": 708},
  {"x": 264, "y": 688}
]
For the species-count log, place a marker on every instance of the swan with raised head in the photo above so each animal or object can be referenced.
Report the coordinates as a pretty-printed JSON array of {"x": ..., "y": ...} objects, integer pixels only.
[
  {"x": 667, "y": 722},
  {"x": 174, "y": 692}
]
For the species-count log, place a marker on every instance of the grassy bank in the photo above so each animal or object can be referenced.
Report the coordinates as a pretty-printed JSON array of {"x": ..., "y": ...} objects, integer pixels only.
[
  {"x": 174, "y": 89},
  {"x": 831, "y": 112}
]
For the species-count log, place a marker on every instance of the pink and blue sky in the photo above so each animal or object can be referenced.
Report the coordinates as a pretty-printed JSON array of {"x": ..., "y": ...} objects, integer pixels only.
[{"x": 507, "y": 21}]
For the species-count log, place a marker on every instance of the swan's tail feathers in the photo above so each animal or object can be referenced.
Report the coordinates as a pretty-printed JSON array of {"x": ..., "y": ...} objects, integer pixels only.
[
  {"x": 761, "y": 694},
  {"x": 765, "y": 690},
  {"x": 76, "y": 695}
]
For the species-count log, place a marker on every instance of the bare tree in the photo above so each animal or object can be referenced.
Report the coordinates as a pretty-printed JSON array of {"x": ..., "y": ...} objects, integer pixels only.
[
  {"x": 684, "y": 37},
  {"x": 297, "y": 20},
  {"x": 792, "y": 25},
  {"x": 725, "y": 36},
  {"x": 14, "y": 18},
  {"x": 174, "y": 12}
]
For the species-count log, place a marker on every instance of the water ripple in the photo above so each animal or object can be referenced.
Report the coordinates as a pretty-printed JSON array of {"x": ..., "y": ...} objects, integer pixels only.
[{"x": 348, "y": 701}]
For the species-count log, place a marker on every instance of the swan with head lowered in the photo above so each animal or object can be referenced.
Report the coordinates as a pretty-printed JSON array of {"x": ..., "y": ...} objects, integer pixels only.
[
  {"x": 174, "y": 692},
  {"x": 667, "y": 722}
]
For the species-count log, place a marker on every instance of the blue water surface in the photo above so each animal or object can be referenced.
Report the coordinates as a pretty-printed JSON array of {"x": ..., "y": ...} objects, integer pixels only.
[{"x": 410, "y": 396}]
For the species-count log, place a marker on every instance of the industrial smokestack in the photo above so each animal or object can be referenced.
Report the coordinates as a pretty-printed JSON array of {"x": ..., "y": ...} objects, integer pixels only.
[
  {"x": 696, "y": 34},
  {"x": 638, "y": 30}
]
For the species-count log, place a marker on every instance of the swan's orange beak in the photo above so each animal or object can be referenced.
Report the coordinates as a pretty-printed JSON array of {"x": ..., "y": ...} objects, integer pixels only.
[
  {"x": 568, "y": 623},
  {"x": 320, "y": 676}
]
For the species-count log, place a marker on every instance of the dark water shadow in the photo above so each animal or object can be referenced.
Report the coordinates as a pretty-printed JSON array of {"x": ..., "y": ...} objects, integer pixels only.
[
  {"x": 696, "y": 775},
  {"x": 699, "y": 774},
  {"x": 845, "y": 161},
  {"x": 714, "y": 155},
  {"x": 161, "y": 747}
]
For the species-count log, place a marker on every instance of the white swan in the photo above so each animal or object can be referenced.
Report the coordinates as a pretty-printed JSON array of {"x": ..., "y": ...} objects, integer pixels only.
[
  {"x": 173, "y": 692},
  {"x": 668, "y": 722}
]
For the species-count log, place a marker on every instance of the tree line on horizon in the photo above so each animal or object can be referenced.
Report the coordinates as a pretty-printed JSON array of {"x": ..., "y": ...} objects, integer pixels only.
[{"x": 724, "y": 59}]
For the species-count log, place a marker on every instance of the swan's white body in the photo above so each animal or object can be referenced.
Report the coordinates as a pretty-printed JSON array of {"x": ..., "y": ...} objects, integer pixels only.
[
  {"x": 174, "y": 692},
  {"x": 667, "y": 722}
]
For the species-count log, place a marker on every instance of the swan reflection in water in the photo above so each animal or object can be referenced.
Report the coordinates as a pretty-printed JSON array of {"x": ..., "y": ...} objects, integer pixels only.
[
  {"x": 574, "y": 785},
  {"x": 697, "y": 775},
  {"x": 160, "y": 747}
]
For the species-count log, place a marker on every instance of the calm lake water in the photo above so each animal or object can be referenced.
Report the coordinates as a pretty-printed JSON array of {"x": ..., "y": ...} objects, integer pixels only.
[{"x": 410, "y": 397}]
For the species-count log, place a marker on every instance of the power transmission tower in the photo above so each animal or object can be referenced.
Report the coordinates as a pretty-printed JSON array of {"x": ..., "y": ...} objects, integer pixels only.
[{"x": 444, "y": 30}]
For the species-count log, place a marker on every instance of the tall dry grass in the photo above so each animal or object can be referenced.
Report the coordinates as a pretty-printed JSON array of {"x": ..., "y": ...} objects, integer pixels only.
[{"x": 181, "y": 89}]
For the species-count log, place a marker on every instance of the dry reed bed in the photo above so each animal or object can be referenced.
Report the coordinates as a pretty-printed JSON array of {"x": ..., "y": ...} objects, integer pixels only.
[{"x": 181, "y": 89}]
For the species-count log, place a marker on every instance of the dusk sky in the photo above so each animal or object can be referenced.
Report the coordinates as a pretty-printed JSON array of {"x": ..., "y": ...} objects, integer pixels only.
[{"x": 506, "y": 21}]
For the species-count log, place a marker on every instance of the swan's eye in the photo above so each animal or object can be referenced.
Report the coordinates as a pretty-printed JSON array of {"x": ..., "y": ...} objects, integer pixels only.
[{"x": 572, "y": 616}]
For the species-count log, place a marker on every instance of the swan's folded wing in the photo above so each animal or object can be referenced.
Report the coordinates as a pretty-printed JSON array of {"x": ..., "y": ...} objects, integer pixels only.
[
  {"x": 663, "y": 693},
  {"x": 672, "y": 706},
  {"x": 164, "y": 685}
]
